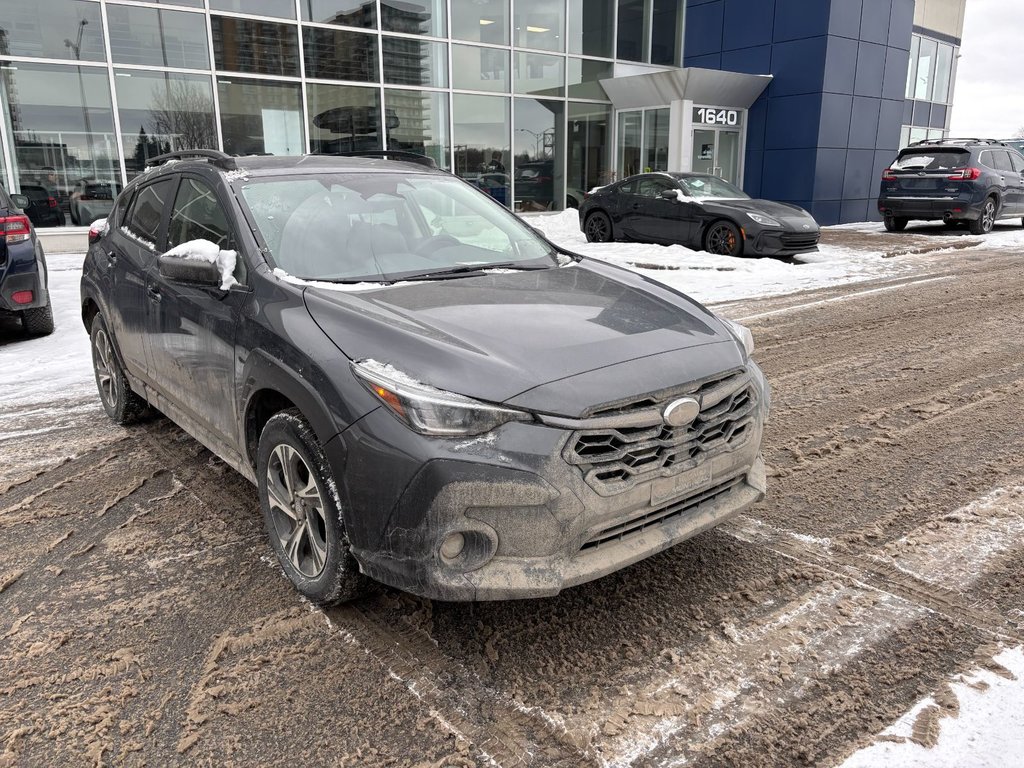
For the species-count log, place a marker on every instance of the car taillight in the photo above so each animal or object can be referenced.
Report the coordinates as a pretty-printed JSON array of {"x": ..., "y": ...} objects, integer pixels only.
[
  {"x": 888, "y": 175},
  {"x": 97, "y": 230},
  {"x": 966, "y": 174},
  {"x": 15, "y": 229},
  {"x": 52, "y": 202},
  {"x": 22, "y": 297}
]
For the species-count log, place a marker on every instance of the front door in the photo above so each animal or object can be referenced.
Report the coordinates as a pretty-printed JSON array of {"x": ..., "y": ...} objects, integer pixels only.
[
  {"x": 192, "y": 341},
  {"x": 717, "y": 152}
]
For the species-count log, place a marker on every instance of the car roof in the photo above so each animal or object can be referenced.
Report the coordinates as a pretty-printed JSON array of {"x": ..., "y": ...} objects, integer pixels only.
[{"x": 274, "y": 165}]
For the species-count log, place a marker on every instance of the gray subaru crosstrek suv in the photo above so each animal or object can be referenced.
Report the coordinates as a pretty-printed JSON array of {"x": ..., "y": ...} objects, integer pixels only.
[{"x": 426, "y": 392}]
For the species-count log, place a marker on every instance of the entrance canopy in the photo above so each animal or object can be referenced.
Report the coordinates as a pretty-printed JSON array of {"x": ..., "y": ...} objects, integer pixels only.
[{"x": 701, "y": 86}]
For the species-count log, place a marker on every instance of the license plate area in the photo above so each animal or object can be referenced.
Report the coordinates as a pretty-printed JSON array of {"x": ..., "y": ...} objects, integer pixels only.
[{"x": 671, "y": 488}]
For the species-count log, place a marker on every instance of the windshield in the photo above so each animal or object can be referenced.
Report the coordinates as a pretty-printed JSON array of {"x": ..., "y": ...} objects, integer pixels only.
[
  {"x": 934, "y": 160},
  {"x": 711, "y": 186},
  {"x": 377, "y": 227}
]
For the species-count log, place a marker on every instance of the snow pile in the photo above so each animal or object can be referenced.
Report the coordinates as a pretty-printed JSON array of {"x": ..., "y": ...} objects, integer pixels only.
[
  {"x": 204, "y": 250},
  {"x": 710, "y": 278},
  {"x": 987, "y": 732}
]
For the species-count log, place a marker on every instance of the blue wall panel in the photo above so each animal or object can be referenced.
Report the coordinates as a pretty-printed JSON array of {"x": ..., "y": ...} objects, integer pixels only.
[
  {"x": 844, "y": 18},
  {"x": 890, "y": 123},
  {"x": 901, "y": 19},
  {"x": 753, "y": 61},
  {"x": 747, "y": 23},
  {"x": 703, "y": 29},
  {"x": 874, "y": 20},
  {"x": 864, "y": 123},
  {"x": 793, "y": 122},
  {"x": 870, "y": 70},
  {"x": 836, "y": 112},
  {"x": 894, "y": 81},
  {"x": 840, "y": 65},
  {"x": 788, "y": 174},
  {"x": 798, "y": 19},
  {"x": 829, "y": 171},
  {"x": 798, "y": 66}
]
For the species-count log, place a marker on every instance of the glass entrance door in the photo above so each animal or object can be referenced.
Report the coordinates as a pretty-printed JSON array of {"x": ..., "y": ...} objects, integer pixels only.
[
  {"x": 717, "y": 152},
  {"x": 643, "y": 141}
]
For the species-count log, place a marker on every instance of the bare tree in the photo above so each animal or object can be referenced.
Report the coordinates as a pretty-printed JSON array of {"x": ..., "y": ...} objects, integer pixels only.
[
  {"x": 1020, "y": 133},
  {"x": 182, "y": 114}
]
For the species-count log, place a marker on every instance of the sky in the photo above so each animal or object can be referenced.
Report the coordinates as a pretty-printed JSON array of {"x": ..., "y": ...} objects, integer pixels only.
[{"x": 989, "y": 97}]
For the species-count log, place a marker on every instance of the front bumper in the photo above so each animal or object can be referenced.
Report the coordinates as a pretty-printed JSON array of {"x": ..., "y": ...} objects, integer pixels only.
[
  {"x": 781, "y": 243},
  {"x": 531, "y": 524}
]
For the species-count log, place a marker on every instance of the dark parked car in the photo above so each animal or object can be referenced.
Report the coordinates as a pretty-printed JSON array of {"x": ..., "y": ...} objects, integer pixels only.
[
  {"x": 977, "y": 181},
  {"x": 425, "y": 391},
  {"x": 91, "y": 199},
  {"x": 43, "y": 209},
  {"x": 535, "y": 187},
  {"x": 698, "y": 211},
  {"x": 23, "y": 280}
]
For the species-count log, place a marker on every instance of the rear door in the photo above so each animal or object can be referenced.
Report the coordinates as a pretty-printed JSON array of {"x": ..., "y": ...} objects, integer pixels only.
[
  {"x": 1017, "y": 160},
  {"x": 192, "y": 333},
  {"x": 131, "y": 253},
  {"x": 1010, "y": 181},
  {"x": 923, "y": 173}
]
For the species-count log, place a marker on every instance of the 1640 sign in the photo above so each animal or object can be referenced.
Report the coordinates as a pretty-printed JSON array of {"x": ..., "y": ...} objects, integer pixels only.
[{"x": 716, "y": 116}]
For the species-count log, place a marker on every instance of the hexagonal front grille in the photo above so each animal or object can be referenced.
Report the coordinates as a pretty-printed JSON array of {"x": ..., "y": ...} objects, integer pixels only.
[{"x": 615, "y": 460}]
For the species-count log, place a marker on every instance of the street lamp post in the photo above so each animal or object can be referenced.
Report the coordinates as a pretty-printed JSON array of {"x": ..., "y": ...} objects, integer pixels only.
[{"x": 76, "y": 48}]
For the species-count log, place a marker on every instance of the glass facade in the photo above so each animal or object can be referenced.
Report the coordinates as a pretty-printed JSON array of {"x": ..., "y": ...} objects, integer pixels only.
[
  {"x": 506, "y": 93},
  {"x": 929, "y": 96}
]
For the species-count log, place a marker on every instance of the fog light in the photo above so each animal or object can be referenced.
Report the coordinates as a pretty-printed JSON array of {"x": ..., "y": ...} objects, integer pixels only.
[
  {"x": 452, "y": 546},
  {"x": 22, "y": 297}
]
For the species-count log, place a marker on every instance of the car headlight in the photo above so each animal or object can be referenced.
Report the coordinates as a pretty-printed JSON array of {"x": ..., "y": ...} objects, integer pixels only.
[
  {"x": 431, "y": 411},
  {"x": 742, "y": 334},
  {"x": 764, "y": 221}
]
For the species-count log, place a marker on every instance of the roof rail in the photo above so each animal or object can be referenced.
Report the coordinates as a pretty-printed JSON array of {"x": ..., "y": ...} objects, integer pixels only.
[
  {"x": 218, "y": 158},
  {"x": 925, "y": 142},
  {"x": 396, "y": 154}
]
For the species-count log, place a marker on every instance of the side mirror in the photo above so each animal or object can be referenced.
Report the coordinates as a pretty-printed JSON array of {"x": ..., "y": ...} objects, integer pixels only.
[
  {"x": 671, "y": 194},
  {"x": 21, "y": 201},
  {"x": 184, "y": 270}
]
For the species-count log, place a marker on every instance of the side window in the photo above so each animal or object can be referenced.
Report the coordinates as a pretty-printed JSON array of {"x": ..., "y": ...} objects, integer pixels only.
[
  {"x": 1018, "y": 162},
  {"x": 117, "y": 218},
  {"x": 629, "y": 188},
  {"x": 197, "y": 216},
  {"x": 1002, "y": 158},
  {"x": 143, "y": 222},
  {"x": 986, "y": 159},
  {"x": 653, "y": 187}
]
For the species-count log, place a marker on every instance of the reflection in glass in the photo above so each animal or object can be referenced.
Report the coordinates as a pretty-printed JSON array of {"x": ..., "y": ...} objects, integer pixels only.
[
  {"x": 481, "y": 142},
  {"x": 925, "y": 70},
  {"x": 656, "y": 139},
  {"x": 479, "y": 69},
  {"x": 350, "y": 13},
  {"x": 539, "y": 147},
  {"x": 337, "y": 54},
  {"x": 61, "y": 127},
  {"x": 343, "y": 118},
  {"x": 415, "y": 62},
  {"x": 590, "y": 27},
  {"x": 630, "y": 135},
  {"x": 51, "y": 29},
  {"x": 413, "y": 17},
  {"x": 260, "y": 47},
  {"x": 703, "y": 159},
  {"x": 260, "y": 116},
  {"x": 161, "y": 112},
  {"x": 481, "y": 21},
  {"x": 539, "y": 24},
  {"x": 589, "y": 137},
  {"x": 915, "y": 49},
  {"x": 539, "y": 74},
  {"x": 666, "y": 19},
  {"x": 729, "y": 156},
  {"x": 943, "y": 73},
  {"x": 157, "y": 37},
  {"x": 284, "y": 9},
  {"x": 417, "y": 121},
  {"x": 631, "y": 30},
  {"x": 584, "y": 77}
]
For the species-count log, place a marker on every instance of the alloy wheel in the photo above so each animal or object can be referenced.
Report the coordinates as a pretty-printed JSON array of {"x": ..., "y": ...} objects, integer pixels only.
[
  {"x": 297, "y": 509},
  {"x": 597, "y": 229},
  {"x": 104, "y": 363},
  {"x": 722, "y": 241},
  {"x": 989, "y": 215}
]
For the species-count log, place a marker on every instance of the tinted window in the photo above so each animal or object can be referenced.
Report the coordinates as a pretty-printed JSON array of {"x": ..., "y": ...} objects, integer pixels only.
[
  {"x": 628, "y": 188},
  {"x": 148, "y": 210},
  {"x": 117, "y": 217},
  {"x": 336, "y": 54},
  {"x": 1002, "y": 160},
  {"x": 987, "y": 160},
  {"x": 653, "y": 187},
  {"x": 156, "y": 37},
  {"x": 282, "y": 8},
  {"x": 53, "y": 29},
  {"x": 260, "y": 47},
  {"x": 197, "y": 216},
  {"x": 932, "y": 160},
  {"x": 415, "y": 17},
  {"x": 1018, "y": 162},
  {"x": 351, "y": 13}
]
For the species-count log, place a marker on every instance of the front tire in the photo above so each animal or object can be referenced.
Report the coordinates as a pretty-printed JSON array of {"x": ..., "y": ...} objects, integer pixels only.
[
  {"x": 122, "y": 405},
  {"x": 895, "y": 223},
  {"x": 984, "y": 223},
  {"x": 598, "y": 228},
  {"x": 301, "y": 514},
  {"x": 723, "y": 239},
  {"x": 38, "y": 321}
]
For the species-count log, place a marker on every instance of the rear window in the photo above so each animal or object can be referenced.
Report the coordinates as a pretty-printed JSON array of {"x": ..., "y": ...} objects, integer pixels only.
[{"x": 931, "y": 160}]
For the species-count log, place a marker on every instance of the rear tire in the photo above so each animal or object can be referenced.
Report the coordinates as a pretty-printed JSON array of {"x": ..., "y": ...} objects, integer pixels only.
[
  {"x": 301, "y": 512},
  {"x": 38, "y": 321},
  {"x": 895, "y": 223},
  {"x": 723, "y": 238},
  {"x": 984, "y": 223},
  {"x": 598, "y": 228},
  {"x": 122, "y": 405}
]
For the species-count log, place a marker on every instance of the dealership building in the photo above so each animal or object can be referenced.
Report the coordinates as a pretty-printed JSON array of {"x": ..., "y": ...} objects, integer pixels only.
[{"x": 534, "y": 101}]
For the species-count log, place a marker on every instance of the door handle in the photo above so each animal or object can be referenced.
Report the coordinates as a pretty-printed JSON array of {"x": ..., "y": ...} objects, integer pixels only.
[
  {"x": 111, "y": 257},
  {"x": 154, "y": 292}
]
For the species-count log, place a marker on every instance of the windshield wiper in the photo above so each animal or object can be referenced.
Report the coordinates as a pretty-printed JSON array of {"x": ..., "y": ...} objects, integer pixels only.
[{"x": 473, "y": 269}]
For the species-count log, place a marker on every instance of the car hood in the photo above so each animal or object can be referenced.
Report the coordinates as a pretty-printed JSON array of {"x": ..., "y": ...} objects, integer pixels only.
[
  {"x": 496, "y": 336},
  {"x": 784, "y": 213}
]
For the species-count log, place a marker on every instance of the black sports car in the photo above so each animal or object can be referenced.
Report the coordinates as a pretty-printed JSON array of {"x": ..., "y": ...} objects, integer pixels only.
[{"x": 699, "y": 211}]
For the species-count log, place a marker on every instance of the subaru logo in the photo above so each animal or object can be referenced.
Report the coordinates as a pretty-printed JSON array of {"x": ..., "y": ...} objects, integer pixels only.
[
  {"x": 681, "y": 413},
  {"x": 807, "y": 226}
]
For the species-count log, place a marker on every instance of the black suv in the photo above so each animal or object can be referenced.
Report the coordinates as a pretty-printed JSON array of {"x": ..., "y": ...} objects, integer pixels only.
[
  {"x": 24, "y": 290},
  {"x": 977, "y": 181},
  {"x": 425, "y": 391}
]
